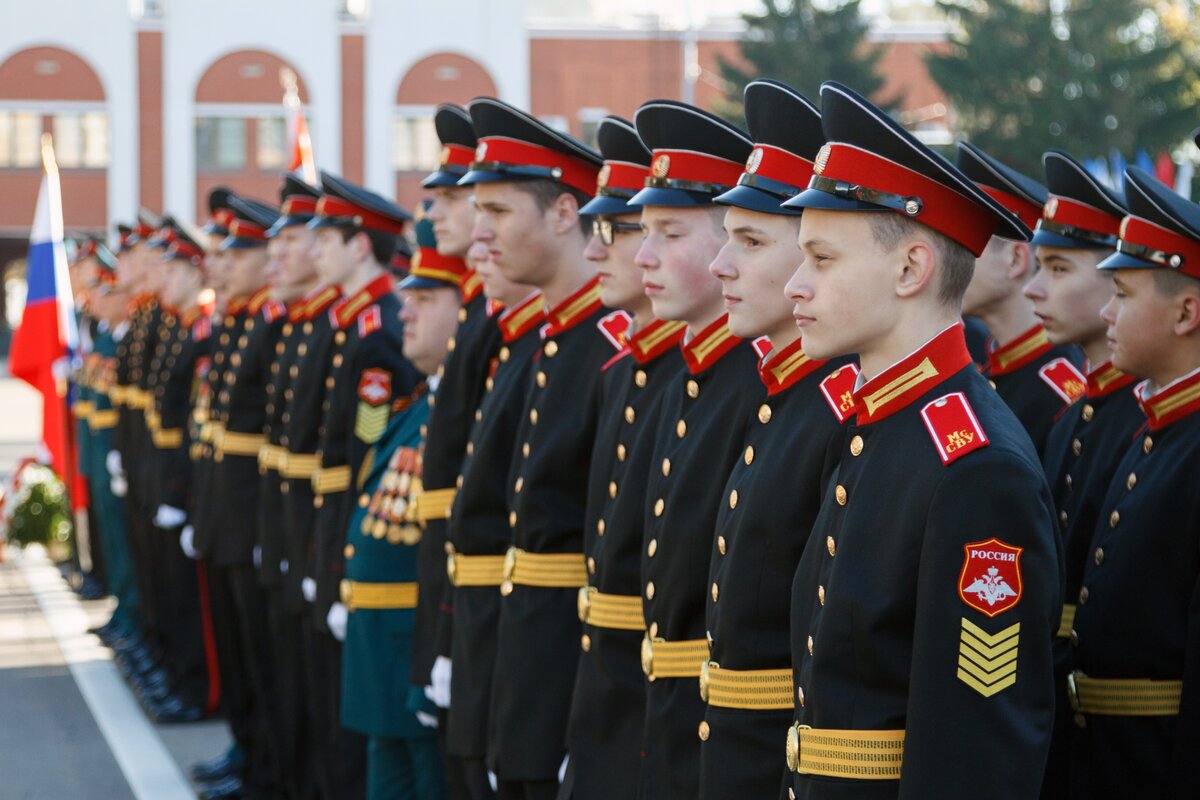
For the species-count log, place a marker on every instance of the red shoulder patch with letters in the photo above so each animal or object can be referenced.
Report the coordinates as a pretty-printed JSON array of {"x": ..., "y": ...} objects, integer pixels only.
[
  {"x": 762, "y": 346},
  {"x": 202, "y": 329},
  {"x": 273, "y": 310},
  {"x": 838, "y": 388},
  {"x": 369, "y": 321},
  {"x": 990, "y": 581},
  {"x": 1062, "y": 376},
  {"x": 953, "y": 427},
  {"x": 615, "y": 327},
  {"x": 375, "y": 387}
]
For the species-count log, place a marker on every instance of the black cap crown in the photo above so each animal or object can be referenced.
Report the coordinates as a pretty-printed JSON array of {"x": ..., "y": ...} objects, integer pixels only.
[
  {"x": 1081, "y": 212},
  {"x": 457, "y": 135},
  {"x": 1018, "y": 193},
  {"x": 347, "y": 205},
  {"x": 626, "y": 164},
  {"x": 1162, "y": 230},
  {"x": 297, "y": 203},
  {"x": 251, "y": 220},
  {"x": 219, "y": 213}
]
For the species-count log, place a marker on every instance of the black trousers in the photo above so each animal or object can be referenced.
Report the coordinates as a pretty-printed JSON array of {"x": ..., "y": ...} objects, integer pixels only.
[
  {"x": 341, "y": 755},
  {"x": 180, "y": 615},
  {"x": 527, "y": 790},
  {"x": 291, "y": 724}
]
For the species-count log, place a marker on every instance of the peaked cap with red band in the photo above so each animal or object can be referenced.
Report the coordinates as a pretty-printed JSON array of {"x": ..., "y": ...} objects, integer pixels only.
[
  {"x": 124, "y": 234},
  {"x": 1080, "y": 213},
  {"x": 870, "y": 163},
  {"x": 457, "y": 135},
  {"x": 147, "y": 223},
  {"x": 427, "y": 268},
  {"x": 626, "y": 165},
  {"x": 219, "y": 212},
  {"x": 1023, "y": 196},
  {"x": 183, "y": 247},
  {"x": 251, "y": 220},
  {"x": 697, "y": 156},
  {"x": 787, "y": 134},
  {"x": 297, "y": 203},
  {"x": 345, "y": 205},
  {"x": 515, "y": 146},
  {"x": 1162, "y": 230},
  {"x": 166, "y": 233}
]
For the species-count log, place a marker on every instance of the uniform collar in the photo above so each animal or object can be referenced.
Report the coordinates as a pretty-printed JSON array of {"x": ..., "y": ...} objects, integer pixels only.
[
  {"x": 316, "y": 303},
  {"x": 709, "y": 345},
  {"x": 236, "y": 305},
  {"x": 650, "y": 342},
  {"x": 906, "y": 380},
  {"x": 258, "y": 300},
  {"x": 783, "y": 368},
  {"x": 1106, "y": 379},
  {"x": 364, "y": 297},
  {"x": 575, "y": 309},
  {"x": 519, "y": 320},
  {"x": 471, "y": 286},
  {"x": 1171, "y": 403},
  {"x": 1020, "y": 352},
  {"x": 188, "y": 318}
]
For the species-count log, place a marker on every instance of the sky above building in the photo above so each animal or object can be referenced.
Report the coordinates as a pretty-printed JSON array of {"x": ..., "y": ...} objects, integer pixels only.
[{"x": 679, "y": 13}]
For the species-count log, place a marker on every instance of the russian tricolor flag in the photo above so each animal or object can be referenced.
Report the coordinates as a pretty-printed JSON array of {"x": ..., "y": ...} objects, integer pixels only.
[{"x": 43, "y": 346}]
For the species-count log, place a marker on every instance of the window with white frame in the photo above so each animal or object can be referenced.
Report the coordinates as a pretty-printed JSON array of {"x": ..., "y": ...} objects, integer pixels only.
[
  {"x": 220, "y": 143},
  {"x": 415, "y": 143}
]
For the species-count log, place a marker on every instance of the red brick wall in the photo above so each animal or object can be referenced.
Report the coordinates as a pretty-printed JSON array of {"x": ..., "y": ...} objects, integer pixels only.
[{"x": 353, "y": 61}]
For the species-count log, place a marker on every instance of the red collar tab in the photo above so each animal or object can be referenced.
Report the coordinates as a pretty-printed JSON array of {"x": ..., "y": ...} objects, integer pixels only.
[
  {"x": 493, "y": 307},
  {"x": 427, "y": 262},
  {"x": 335, "y": 208},
  {"x": 298, "y": 204},
  {"x": 1069, "y": 217},
  {"x": 1028, "y": 212},
  {"x": 652, "y": 341},
  {"x": 575, "y": 309},
  {"x": 953, "y": 426},
  {"x": 621, "y": 179},
  {"x": 775, "y": 170},
  {"x": 850, "y": 172},
  {"x": 709, "y": 345},
  {"x": 222, "y": 217},
  {"x": 1144, "y": 239},
  {"x": 500, "y": 154},
  {"x": 614, "y": 326},
  {"x": 692, "y": 171},
  {"x": 241, "y": 229},
  {"x": 900, "y": 384},
  {"x": 456, "y": 155},
  {"x": 364, "y": 297},
  {"x": 257, "y": 300},
  {"x": 470, "y": 286},
  {"x": 519, "y": 320},
  {"x": 235, "y": 305},
  {"x": 781, "y": 369},
  {"x": 1172, "y": 403},
  {"x": 1027, "y": 347},
  {"x": 1064, "y": 379},
  {"x": 838, "y": 388},
  {"x": 1106, "y": 379}
]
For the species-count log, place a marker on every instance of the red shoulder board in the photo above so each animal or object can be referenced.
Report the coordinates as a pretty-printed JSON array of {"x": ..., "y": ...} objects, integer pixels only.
[
  {"x": 762, "y": 346},
  {"x": 273, "y": 310},
  {"x": 1065, "y": 379},
  {"x": 369, "y": 321},
  {"x": 953, "y": 427},
  {"x": 615, "y": 327},
  {"x": 202, "y": 365},
  {"x": 202, "y": 329},
  {"x": 375, "y": 387},
  {"x": 838, "y": 388},
  {"x": 990, "y": 580}
]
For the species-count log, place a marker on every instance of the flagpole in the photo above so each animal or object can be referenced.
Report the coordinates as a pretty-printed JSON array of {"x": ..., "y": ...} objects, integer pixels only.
[{"x": 291, "y": 101}]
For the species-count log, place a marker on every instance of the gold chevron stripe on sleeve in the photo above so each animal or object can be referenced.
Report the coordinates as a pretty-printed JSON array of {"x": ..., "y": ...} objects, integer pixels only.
[{"x": 987, "y": 662}]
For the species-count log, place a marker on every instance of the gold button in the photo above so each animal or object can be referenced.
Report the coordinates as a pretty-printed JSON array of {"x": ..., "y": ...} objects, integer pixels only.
[
  {"x": 810, "y": 645},
  {"x": 840, "y": 494},
  {"x": 1074, "y": 638},
  {"x": 630, "y": 415},
  {"x": 585, "y": 642},
  {"x": 363, "y": 500},
  {"x": 600, "y": 527},
  {"x": 348, "y": 552},
  {"x": 504, "y": 354},
  {"x": 856, "y": 445},
  {"x": 764, "y": 413},
  {"x": 666, "y": 467},
  {"x": 462, "y": 315},
  {"x": 1131, "y": 481},
  {"x": 1147, "y": 445},
  {"x": 512, "y": 519},
  {"x": 293, "y": 371},
  {"x": 490, "y": 384},
  {"x": 652, "y": 548},
  {"x": 1087, "y": 412},
  {"x": 791, "y": 793},
  {"x": 1069, "y": 481},
  {"x": 650, "y": 590},
  {"x": 620, "y": 452},
  {"x": 659, "y": 505},
  {"x": 693, "y": 389},
  {"x": 721, "y": 545},
  {"x": 1080, "y": 720},
  {"x": 478, "y": 414},
  {"x": 1114, "y": 518},
  {"x": 653, "y": 630},
  {"x": 533, "y": 416},
  {"x": 470, "y": 448},
  {"x": 704, "y": 731},
  {"x": 715, "y": 592},
  {"x": 338, "y": 359},
  {"x": 800, "y": 695},
  {"x": 748, "y": 456},
  {"x": 541, "y": 379},
  {"x": 1062, "y": 517},
  {"x": 992, "y": 384},
  {"x": 639, "y": 378},
  {"x": 733, "y": 498},
  {"x": 519, "y": 484},
  {"x": 680, "y": 428},
  {"x": 551, "y": 348},
  {"x": 821, "y": 594},
  {"x": 451, "y": 344},
  {"x": 831, "y": 545},
  {"x": 1083, "y": 596},
  {"x": 591, "y": 565},
  {"x": 1076, "y": 446},
  {"x": 612, "y": 488},
  {"x": 1099, "y": 556},
  {"x": 458, "y": 482}
]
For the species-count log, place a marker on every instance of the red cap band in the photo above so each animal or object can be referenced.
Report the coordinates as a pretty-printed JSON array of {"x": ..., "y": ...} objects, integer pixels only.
[
  {"x": 241, "y": 229},
  {"x": 777, "y": 164},
  {"x": 501, "y": 151},
  {"x": 329, "y": 206},
  {"x": 621, "y": 176},
  {"x": 457, "y": 155},
  {"x": 429, "y": 263},
  {"x": 1027, "y": 212},
  {"x": 1065, "y": 211},
  {"x": 298, "y": 204},
  {"x": 692, "y": 167},
  {"x": 1160, "y": 245}
]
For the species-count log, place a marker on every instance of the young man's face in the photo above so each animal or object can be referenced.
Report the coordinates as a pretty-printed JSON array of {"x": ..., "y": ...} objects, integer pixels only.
[
  {"x": 295, "y": 268},
  {"x": 334, "y": 256},
  {"x": 518, "y": 234},
  {"x": 247, "y": 270},
  {"x": 679, "y": 245},
  {"x": 180, "y": 283},
  {"x": 754, "y": 266},
  {"x": 496, "y": 287},
  {"x": 843, "y": 293},
  {"x": 453, "y": 216},
  {"x": 129, "y": 271},
  {"x": 620, "y": 279},
  {"x": 1140, "y": 319},
  {"x": 991, "y": 282},
  {"x": 430, "y": 318},
  {"x": 1068, "y": 292}
]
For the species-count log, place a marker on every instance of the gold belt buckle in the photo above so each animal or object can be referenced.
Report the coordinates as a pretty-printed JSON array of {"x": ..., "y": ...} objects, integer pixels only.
[
  {"x": 648, "y": 655},
  {"x": 793, "y": 745},
  {"x": 704, "y": 678},
  {"x": 506, "y": 575},
  {"x": 584, "y": 602},
  {"x": 1072, "y": 692},
  {"x": 451, "y": 567}
]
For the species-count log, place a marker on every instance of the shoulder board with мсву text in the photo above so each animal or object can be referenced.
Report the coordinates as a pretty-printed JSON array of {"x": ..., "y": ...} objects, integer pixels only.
[
  {"x": 369, "y": 321},
  {"x": 1064, "y": 378},
  {"x": 273, "y": 310},
  {"x": 202, "y": 329},
  {"x": 838, "y": 389},
  {"x": 615, "y": 327},
  {"x": 953, "y": 426},
  {"x": 762, "y": 347}
]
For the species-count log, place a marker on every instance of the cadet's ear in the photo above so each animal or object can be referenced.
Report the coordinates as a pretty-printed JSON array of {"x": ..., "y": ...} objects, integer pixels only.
[
  {"x": 1187, "y": 319},
  {"x": 566, "y": 213},
  {"x": 918, "y": 262},
  {"x": 1020, "y": 261}
]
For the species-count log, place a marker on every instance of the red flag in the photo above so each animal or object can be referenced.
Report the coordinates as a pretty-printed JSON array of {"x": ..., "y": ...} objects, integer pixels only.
[
  {"x": 300, "y": 156},
  {"x": 1164, "y": 168}
]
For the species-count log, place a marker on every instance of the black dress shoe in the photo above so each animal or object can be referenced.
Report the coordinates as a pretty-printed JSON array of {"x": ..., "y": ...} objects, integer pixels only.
[
  {"x": 173, "y": 710},
  {"x": 215, "y": 769},
  {"x": 224, "y": 789},
  {"x": 153, "y": 693}
]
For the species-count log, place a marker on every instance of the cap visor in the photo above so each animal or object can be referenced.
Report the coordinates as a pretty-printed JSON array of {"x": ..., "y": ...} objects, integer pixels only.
[
  {"x": 1120, "y": 260},
  {"x": 441, "y": 178},
  {"x": 421, "y": 282},
  {"x": 671, "y": 198},
  {"x": 607, "y": 205},
  {"x": 1045, "y": 238},
  {"x": 238, "y": 243},
  {"x": 286, "y": 222},
  {"x": 752, "y": 199},
  {"x": 815, "y": 198}
]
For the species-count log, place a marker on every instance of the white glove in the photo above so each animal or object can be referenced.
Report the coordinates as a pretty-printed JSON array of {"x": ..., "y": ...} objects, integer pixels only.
[
  {"x": 438, "y": 691},
  {"x": 118, "y": 485},
  {"x": 308, "y": 587},
  {"x": 187, "y": 538},
  {"x": 562, "y": 771},
  {"x": 168, "y": 517},
  {"x": 112, "y": 462},
  {"x": 256, "y": 557},
  {"x": 428, "y": 720},
  {"x": 492, "y": 781},
  {"x": 283, "y": 566},
  {"x": 336, "y": 620}
]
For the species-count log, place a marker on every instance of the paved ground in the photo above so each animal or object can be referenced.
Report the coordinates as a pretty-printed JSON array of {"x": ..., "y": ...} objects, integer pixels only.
[{"x": 69, "y": 726}]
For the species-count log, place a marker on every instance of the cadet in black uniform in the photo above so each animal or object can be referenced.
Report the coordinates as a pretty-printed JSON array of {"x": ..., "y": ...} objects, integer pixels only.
[
  {"x": 1031, "y": 374},
  {"x": 529, "y": 182},
  {"x": 792, "y": 440},
  {"x": 1136, "y": 629},
  {"x": 1086, "y": 443},
  {"x": 604, "y": 732},
  {"x": 698, "y": 430},
  {"x": 925, "y": 602}
]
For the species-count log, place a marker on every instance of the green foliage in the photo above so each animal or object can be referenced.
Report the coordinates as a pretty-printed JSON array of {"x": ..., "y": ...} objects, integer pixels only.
[
  {"x": 1086, "y": 76},
  {"x": 36, "y": 512},
  {"x": 803, "y": 46}
]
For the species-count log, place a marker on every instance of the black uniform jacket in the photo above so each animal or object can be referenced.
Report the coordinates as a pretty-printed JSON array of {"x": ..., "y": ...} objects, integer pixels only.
[{"x": 174, "y": 398}]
